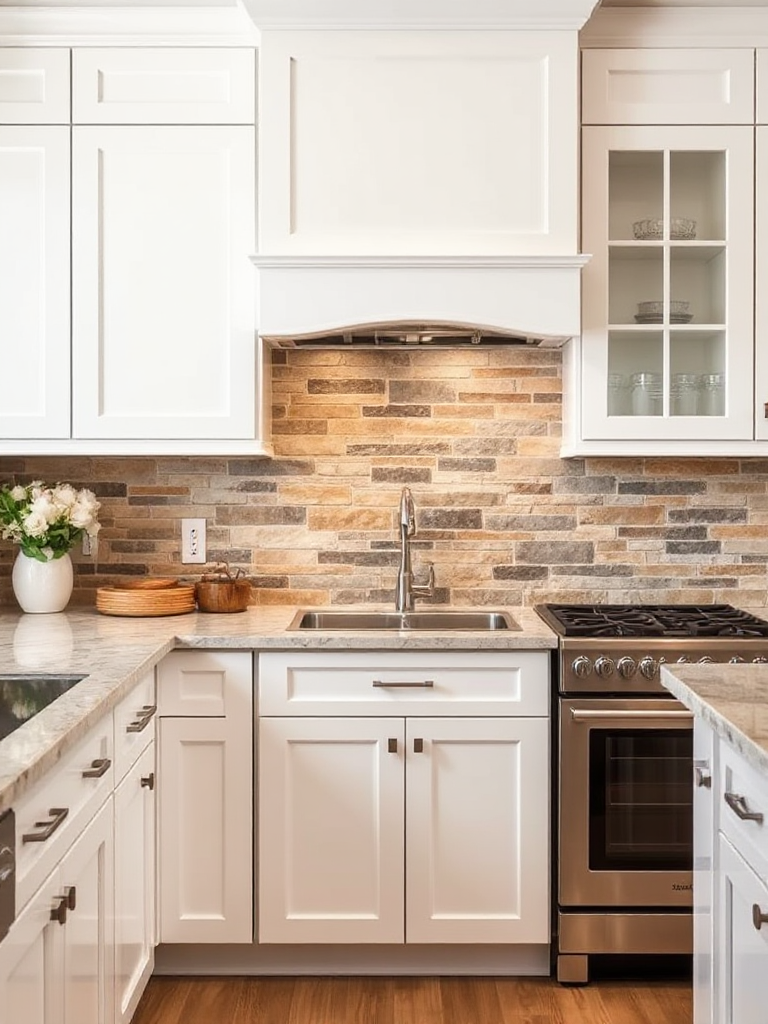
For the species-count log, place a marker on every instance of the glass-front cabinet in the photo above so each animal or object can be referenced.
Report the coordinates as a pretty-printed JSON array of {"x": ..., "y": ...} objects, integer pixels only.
[{"x": 667, "y": 341}]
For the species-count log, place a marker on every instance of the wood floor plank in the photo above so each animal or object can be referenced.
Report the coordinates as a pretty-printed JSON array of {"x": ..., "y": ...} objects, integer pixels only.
[{"x": 408, "y": 1000}]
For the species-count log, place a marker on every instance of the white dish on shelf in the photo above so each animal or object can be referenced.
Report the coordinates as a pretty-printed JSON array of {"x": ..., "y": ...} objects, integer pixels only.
[{"x": 657, "y": 318}]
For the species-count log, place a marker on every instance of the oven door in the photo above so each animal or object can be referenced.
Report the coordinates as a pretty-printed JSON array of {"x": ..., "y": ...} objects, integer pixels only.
[{"x": 625, "y": 798}]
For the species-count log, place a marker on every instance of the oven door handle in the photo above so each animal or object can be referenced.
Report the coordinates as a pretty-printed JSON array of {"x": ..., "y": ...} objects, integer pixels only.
[{"x": 582, "y": 715}]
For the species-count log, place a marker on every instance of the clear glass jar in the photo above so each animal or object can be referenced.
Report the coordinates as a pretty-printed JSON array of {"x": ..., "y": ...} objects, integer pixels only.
[
  {"x": 618, "y": 394},
  {"x": 684, "y": 394},
  {"x": 646, "y": 394},
  {"x": 711, "y": 388}
]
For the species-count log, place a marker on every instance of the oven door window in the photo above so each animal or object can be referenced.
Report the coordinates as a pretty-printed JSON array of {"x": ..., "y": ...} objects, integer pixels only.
[{"x": 640, "y": 800}]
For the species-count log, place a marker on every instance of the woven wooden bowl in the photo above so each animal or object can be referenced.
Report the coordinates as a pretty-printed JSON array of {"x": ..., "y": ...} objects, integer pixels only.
[{"x": 139, "y": 601}]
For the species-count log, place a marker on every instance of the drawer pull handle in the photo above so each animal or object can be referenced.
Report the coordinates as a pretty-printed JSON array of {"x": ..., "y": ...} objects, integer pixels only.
[
  {"x": 418, "y": 745},
  {"x": 59, "y": 913},
  {"x": 421, "y": 683},
  {"x": 758, "y": 917},
  {"x": 98, "y": 768},
  {"x": 739, "y": 807},
  {"x": 702, "y": 777},
  {"x": 47, "y": 828},
  {"x": 391, "y": 746},
  {"x": 71, "y": 897},
  {"x": 143, "y": 718},
  {"x": 148, "y": 781}
]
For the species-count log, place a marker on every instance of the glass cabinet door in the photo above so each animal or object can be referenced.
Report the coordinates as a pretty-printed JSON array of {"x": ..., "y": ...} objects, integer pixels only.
[{"x": 667, "y": 324}]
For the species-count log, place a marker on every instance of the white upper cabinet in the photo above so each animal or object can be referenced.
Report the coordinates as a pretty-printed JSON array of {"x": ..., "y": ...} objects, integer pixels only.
[
  {"x": 163, "y": 290},
  {"x": 34, "y": 85},
  {"x": 437, "y": 143},
  {"x": 164, "y": 86},
  {"x": 667, "y": 87},
  {"x": 667, "y": 314},
  {"x": 665, "y": 363},
  {"x": 34, "y": 280},
  {"x": 162, "y": 356}
]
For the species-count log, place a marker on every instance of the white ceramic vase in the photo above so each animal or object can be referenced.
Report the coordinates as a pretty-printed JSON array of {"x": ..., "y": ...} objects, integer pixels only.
[{"x": 42, "y": 586}]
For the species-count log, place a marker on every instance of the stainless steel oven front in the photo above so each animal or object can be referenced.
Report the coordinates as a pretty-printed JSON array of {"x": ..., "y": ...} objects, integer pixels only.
[{"x": 625, "y": 829}]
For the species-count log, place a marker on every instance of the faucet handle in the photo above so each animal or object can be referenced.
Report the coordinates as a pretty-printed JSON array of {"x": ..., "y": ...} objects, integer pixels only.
[{"x": 427, "y": 589}]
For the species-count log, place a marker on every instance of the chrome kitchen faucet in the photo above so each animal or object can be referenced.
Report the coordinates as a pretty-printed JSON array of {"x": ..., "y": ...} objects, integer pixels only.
[{"x": 406, "y": 591}]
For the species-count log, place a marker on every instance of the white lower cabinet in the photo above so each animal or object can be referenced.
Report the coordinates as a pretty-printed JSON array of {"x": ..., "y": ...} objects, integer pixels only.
[
  {"x": 56, "y": 963},
  {"x": 384, "y": 827},
  {"x": 206, "y": 797},
  {"x": 743, "y": 940},
  {"x": 135, "y": 879},
  {"x": 730, "y": 884}
]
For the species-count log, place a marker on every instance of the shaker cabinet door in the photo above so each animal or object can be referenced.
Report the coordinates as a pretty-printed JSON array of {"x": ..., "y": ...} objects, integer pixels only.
[
  {"x": 34, "y": 281},
  {"x": 163, "y": 290}
]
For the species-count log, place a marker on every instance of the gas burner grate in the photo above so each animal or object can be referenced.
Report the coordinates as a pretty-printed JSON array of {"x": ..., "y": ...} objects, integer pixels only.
[{"x": 678, "y": 621}]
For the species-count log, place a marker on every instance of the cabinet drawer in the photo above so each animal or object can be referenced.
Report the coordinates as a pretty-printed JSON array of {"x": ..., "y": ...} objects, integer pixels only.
[
  {"x": 205, "y": 684},
  {"x": 163, "y": 86},
  {"x": 65, "y": 789},
  {"x": 134, "y": 724},
  {"x": 743, "y": 792},
  {"x": 667, "y": 86},
  {"x": 421, "y": 683},
  {"x": 34, "y": 85}
]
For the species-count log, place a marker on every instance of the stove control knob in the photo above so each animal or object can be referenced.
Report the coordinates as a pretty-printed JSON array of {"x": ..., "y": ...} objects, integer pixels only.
[
  {"x": 604, "y": 666},
  {"x": 626, "y": 667},
  {"x": 760, "y": 660},
  {"x": 736, "y": 660},
  {"x": 705, "y": 660},
  {"x": 648, "y": 667},
  {"x": 581, "y": 666},
  {"x": 683, "y": 660}
]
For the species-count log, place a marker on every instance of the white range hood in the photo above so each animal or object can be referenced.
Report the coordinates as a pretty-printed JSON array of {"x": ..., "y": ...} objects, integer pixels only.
[{"x": 418, "y": 165}]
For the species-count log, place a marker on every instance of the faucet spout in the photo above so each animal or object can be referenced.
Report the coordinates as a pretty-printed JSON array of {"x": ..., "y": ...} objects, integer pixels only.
[{"x": 405, "y": 590}]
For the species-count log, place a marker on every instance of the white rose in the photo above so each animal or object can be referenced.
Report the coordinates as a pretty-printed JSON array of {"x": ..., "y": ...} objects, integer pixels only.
[
  {"x": 18, "y": 493},
  {"x": 35, "y": 524},
  {"x": 43, "y": 506},
  {"x": 80, "y": 516},
  {"x": 65, "y": 495}
]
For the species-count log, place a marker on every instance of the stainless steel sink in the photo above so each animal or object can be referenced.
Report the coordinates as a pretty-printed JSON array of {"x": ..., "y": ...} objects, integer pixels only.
[{"x": 437, "y": 621}]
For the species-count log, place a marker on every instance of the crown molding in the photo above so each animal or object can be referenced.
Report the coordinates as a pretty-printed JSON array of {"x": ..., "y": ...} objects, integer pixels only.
[
  {"x": 613, "y": 27},
  {"x": 127, "y": 26}
]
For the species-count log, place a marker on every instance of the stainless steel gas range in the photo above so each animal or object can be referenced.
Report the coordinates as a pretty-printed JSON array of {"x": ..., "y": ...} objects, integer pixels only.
[{"x": 624, "y": 835}]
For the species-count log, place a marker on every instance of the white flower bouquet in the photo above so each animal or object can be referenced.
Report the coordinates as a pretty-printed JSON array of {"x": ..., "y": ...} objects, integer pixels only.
[{"x": 46, "y": 522}]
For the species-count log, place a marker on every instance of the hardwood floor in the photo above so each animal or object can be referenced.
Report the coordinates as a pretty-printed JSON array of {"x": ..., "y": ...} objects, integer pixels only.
[{"x": 358, "y": 1000}]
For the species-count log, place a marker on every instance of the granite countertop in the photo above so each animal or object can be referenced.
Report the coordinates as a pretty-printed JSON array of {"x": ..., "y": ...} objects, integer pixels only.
[
  {"x": 115, "y": 652},
  {"x": 733, "y": 699}
]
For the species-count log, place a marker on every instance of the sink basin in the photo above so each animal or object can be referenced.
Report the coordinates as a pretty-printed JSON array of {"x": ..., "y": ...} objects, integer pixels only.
[{"x": 437, "y": 621}]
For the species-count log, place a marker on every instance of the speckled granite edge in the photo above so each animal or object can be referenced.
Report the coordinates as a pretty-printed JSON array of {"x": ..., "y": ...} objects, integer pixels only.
[
  {"x": 732, "y": 699},
  {"x": 114, "y": 653}
]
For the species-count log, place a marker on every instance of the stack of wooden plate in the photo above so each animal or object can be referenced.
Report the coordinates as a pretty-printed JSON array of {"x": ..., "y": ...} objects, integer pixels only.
[{"x": 151, "y": 596}]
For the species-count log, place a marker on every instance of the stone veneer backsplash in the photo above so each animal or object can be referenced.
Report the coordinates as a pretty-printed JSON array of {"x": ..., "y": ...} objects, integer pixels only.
[{"x": 475, "y": 435}]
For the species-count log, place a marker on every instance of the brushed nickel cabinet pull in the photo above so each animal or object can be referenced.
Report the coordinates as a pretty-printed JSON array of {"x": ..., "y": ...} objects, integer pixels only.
[
  {"x": 98, "y": 768},
  {"x": 59, "y": 913},
  {"x": 421, "y": 683},
  {"x": 758, "y": 917},
  {"x": 391, "y": 746},
  {"x": 47, "y": 828},
  {"x": 702, "y": 776},
  {"x": 71, "y": 897},
  {"x": 143, "y": 718},
  {"x": 739, "y": 807},
  {"x": 418, "y": 745},
  {"x": 148, "y": 781}
]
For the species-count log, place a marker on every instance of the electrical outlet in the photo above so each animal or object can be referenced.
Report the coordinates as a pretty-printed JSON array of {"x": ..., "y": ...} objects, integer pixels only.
[{"x": 193, "y": 541}]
